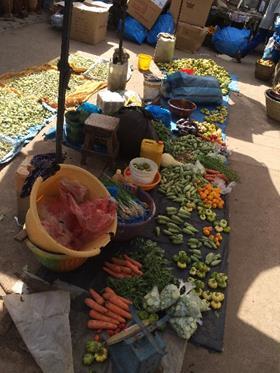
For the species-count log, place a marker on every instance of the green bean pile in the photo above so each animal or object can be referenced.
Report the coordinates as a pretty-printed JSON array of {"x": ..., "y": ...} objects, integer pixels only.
[
  {"x": 43, "y": 84},
  {"x": 19, "y": 113},
  {"x": 99, "y": 72},
  {"x": 5, "y": 148},
  {"x": 80, "y": 62}
]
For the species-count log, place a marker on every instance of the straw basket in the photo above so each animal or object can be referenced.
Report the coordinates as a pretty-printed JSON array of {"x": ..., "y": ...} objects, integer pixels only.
[
  {"x": 264, "y": 73},
  {"x": 272, "y": 107}
]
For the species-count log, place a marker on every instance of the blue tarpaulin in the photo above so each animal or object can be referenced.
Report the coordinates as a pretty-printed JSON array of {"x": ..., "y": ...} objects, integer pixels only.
[{"x": 18, "y": 142}]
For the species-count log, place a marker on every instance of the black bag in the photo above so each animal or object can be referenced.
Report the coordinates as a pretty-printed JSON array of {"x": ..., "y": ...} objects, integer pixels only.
[{"x": 134, "y": 126}]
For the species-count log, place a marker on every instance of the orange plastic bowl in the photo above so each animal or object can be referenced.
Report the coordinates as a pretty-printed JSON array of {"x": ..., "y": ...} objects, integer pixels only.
[{"x": 146, "y": 187}]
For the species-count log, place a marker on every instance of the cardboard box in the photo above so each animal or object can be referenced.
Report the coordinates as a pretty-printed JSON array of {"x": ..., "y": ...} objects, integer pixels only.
[
  {"x": 89, "y": 23},
  {"x": 97, "y": 4},
  {"x": 194, "y": 12},
  {"x": 146, "y": 11},
  {"x": 189, "y": 37}
]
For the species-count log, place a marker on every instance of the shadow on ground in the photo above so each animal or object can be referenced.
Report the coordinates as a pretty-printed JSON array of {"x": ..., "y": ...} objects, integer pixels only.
[{"x": 251, "y": 334}]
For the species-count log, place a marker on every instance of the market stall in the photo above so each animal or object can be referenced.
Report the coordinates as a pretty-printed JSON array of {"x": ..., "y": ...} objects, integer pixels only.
[
  {"x": 178, "y": 239},
  {"x": 142, "y": 250}
]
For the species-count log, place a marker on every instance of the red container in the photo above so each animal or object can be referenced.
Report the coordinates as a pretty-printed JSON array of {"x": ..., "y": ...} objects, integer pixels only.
[{"x": 188, "y": 71}]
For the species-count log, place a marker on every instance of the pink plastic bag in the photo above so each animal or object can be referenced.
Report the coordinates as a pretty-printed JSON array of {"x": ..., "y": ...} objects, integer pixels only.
[{"x": 71, "y": 218}]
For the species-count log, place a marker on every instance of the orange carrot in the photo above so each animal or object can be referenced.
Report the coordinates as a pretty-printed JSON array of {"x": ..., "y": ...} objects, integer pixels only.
[
  {"x": 99, "y": 316},
  {"x": 111, "y": 291},
  {"x": 112, "y": 273},
  {"x": 127, "y": 301},
  {"x": 112, "y": 307},
  {"x": 115, "y": 300},
  {"x": 95, "y": 306},
  {"x": 126, "y": 270},
  {"x": 134, "y": 268},
  {"x": 96, "y": 296},
  {"x": 97, "y": 324},
  {"x": 210, "y": 171},
  {"x": 223, "y": 177},
  {"x": 113, "y": 267},
  {"x": 133, "y": 261},
  {"x": 115, "y": 317},
  {"x": 209, "y": 177},
  {"x": 118, "y": 261}
]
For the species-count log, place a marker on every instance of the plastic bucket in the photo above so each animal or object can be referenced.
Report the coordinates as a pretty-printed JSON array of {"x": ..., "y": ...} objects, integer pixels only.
[
  {"x": 272, "y": 107},
  {"x": 55, "y": 262},
  {"x": 151, "y": 88},
  {"x": 144, "y": 61},
  {"x": 38, "y": 235},
  {"x": 142, "y": 176}
]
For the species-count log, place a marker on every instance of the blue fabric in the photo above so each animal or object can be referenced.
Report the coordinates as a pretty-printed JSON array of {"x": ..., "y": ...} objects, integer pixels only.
[
  {"x": 165, "y": 23},
  {"x": 229, "y": 40},
  {"x": 90, "y": 108},
  {"x": 198, "y": 116},
  {"x": 19, "y": 141},
  {"x": 261, "y": 37},
  {"x": 133, "y": 30},
  {"x": 160, "y": 114},
  {"x": 199, "y": 89}
]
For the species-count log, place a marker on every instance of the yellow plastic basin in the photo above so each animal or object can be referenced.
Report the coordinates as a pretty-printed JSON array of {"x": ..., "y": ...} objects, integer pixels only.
[{"x": 38, "y": 234}]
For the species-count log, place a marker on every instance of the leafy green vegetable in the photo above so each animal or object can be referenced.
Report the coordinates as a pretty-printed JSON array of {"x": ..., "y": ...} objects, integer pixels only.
[
  {"x": 163, "y": 133},
  {"x": 217, "y": 164},
  {"x": 156, "y": 273}
]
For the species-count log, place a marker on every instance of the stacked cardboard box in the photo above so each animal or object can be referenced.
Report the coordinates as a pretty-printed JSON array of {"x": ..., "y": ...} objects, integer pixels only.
[
  {"x": 190, "y": 17},
  {"x": 89, "y": 21},
  {"x": 146, "y": 11}
]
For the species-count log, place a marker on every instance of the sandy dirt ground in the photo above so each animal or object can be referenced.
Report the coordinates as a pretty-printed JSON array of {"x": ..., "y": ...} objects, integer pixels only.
[{"x": 252, "y": 332}]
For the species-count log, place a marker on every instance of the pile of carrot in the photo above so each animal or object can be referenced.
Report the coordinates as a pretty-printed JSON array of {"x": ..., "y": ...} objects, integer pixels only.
[
  {"x": 109, "y": 311},
  {"x": 124, "y": 267},
  {"x": 210, "y": 175}
]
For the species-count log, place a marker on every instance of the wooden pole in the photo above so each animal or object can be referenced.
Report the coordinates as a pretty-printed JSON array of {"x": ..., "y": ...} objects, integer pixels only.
[{"x": 64, "y": 77}]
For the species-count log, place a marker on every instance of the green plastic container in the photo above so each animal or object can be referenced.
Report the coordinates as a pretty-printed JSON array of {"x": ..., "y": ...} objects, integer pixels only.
[
  {"x": 55, "y": 262},
  {"x": 75, "y": 126}
]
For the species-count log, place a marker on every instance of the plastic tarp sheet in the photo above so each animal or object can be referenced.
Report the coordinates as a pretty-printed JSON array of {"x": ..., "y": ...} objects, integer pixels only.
[
  {"x": 210, "y": 335},
  {"x": 18, "y": 143},
  {"x": 165, "y": 23},
  {"x": 197, "y": 115}
]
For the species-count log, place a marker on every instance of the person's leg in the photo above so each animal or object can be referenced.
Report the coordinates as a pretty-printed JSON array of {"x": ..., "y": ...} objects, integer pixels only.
[{"x": 260, "y": 37}]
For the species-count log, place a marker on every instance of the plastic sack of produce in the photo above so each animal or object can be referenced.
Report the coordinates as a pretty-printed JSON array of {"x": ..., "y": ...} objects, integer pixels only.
[
  {"x": 198, "y": 89},
  {"x": 165, "y": 23},
  {"x": 134, "y": 31},
  {"x": 71, "y": 218},
  {"x": 229, "y": 40},
  {"x": 160, "y": 114}
]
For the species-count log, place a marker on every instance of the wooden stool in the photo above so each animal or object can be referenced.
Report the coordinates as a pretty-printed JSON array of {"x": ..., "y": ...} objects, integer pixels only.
[{"x": 101, "y": 130}]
